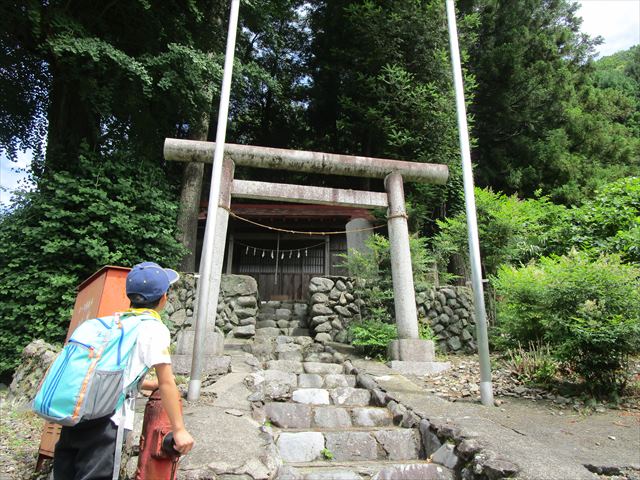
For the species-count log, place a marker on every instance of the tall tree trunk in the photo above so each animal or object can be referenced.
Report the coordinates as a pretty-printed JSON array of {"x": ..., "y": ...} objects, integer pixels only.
[
  {"x": 190, "y": 200},
  {"x": 71, "y": 122}
]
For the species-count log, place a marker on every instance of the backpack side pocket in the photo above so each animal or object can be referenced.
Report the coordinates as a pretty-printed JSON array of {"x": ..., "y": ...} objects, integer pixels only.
[{"x": 104, "y": 393}]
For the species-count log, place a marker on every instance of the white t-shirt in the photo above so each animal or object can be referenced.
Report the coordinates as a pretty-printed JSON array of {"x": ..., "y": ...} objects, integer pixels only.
[{"x": 152, "y": 348}]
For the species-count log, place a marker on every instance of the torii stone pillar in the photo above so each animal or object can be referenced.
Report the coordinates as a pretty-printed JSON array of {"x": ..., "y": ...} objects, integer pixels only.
[
  {"x": 401, "y": 270},
  {"x": 409, "y": 354},
  {"x": 205, "y": 341}
]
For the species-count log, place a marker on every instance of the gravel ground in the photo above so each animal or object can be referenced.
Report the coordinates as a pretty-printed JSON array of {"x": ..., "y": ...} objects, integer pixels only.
[
  {"x": 460, "y": 384},
  {"x": 20, "y": 431}
]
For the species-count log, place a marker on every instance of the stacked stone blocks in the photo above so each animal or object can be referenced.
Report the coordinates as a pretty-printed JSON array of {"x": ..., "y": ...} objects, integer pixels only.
[
  {"x": 448, "y": 310},
  {"x": 282, "y": 318},
  {"x": 236, "y": 311},
  {"x": 333, "y": 307}
]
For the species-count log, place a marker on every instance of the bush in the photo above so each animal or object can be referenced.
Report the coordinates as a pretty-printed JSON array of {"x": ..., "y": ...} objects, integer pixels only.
[
  {"x": 372, "y": 337},
  {"x": 110, "y": 211},
  {"x": 609, "y": 223},
  {"x": 535, "y": 366},
  {"x": 510, "y": 231},
  {"x": 372, "y": 271},
  {"x": 587, "y": 310}
]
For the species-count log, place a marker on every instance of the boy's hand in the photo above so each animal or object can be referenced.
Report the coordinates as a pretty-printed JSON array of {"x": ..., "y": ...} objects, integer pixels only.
[{"x": 183, "y": 440}]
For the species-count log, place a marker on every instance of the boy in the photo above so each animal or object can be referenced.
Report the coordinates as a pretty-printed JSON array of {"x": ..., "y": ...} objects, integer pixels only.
[{"x": 87, "y": 450}]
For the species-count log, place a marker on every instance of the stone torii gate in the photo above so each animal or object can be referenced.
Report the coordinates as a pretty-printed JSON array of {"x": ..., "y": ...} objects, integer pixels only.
[{"x": 408, "y": 353}]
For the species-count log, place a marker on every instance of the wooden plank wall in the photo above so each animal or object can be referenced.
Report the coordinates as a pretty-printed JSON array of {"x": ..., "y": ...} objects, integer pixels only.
[{"x": 294, "y": 272}]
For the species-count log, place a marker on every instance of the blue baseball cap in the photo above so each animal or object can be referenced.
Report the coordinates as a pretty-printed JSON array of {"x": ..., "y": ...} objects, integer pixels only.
[{"x": 150, "y": 280}]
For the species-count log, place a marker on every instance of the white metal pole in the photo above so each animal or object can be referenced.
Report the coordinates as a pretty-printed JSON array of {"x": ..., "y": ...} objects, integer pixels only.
[
  {"x": 486, "y": 388},
  {"x": 206, "y": 295}
]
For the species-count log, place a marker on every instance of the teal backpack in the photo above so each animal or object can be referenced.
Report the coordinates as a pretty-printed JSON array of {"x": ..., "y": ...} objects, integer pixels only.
[{"x": 86, "y": 380}]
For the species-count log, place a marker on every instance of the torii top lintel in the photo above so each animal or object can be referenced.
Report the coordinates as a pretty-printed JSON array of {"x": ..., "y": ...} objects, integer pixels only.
[{"x": 304, "y": 161}]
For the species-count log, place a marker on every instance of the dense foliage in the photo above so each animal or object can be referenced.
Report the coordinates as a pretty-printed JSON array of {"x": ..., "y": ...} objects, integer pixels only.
[
  {"x": 514, "y": 231},
  {"x": 610, "y": 222},
  {"x": 510, "y": 230},
  {"x": 372, "y": 270},
  {"x": 587, "y": 310},
  {"x": 116, "y": 214},
  {"x": 93, "y": 89},
  {"x": 547, "y": 117}
]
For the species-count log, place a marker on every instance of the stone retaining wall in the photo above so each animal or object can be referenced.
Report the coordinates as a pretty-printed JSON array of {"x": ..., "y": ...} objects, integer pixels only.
[
  {"x": 450, "y": 313},
  {"x": 237, "y": 304},
  {"x": 333, "y": 307},
  {"x": 449, "y": 310}
]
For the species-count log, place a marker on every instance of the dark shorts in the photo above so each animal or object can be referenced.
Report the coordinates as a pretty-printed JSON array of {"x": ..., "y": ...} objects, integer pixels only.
[{"x": 86, "y": 451}]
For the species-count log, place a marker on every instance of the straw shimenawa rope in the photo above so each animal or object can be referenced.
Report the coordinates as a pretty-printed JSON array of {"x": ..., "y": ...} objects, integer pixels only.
[{"x": 285, "y": 230}]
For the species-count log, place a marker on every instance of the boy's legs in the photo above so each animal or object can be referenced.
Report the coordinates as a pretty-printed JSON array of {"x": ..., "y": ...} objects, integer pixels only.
[
  {"x": 86, "y": 451},
  {"x": 64, "y": 460}
]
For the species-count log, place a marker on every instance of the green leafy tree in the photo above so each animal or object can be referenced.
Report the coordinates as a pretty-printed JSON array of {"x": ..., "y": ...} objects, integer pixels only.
[
  {"x": 381, "y": 86},
  {"x": 610, "y": 222},
  {"x": 133, "y": 69},
  {"x": 120, "y": 213},
  {"x": 528, "y": 60}
]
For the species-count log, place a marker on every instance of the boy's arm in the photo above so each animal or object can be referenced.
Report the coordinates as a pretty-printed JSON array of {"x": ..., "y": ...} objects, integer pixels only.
[{"x": 171, "y": 403}]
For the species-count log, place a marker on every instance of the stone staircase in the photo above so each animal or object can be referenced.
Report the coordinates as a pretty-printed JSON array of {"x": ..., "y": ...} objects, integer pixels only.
[
  {"x": 282, "y": 318},
  {"x": 323, "y": 425}
]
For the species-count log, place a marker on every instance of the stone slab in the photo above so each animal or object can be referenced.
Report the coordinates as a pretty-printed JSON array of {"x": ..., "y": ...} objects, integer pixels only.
[
  {"x": 322, "y": 368},
  {"x": 349, "y": 446},
  {"x": 422, "y": 471},
  {"x": 277, "y": 376},
  {"x": 411, "y": 350},
  {"x": 371, "y": 417},
  {"x": 350, "y": 396},
  {"x": 312, "y": 396},
  {"x": 288, "y": 415},
  {"x": 331, "y": 474},
  {"x": 212, "y": 364},
  {"x": 310, "y": 380},
  {"x": 331, "y": 417},
  {"x": 430, "y": 441},
  {"x": 399, "y": 444},
  {"x": 285, "y": 366},
  {"x": 418, "y": 368},
  {"x": 300, "y": 447},
  {"x": 335, "y": 380},
  {"x": 446, "y": 456},
  {"x": 291, "y": 355}
]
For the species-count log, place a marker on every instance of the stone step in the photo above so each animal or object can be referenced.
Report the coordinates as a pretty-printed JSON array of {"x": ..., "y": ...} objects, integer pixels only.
[
  {"x": 294, "y": 416},
  {"x": 372, "y": 470},
  {"x": 397, "y": 444},
  {"x": 341, "y": 396},
  {"x": 305, "y": 367},
  {"x": 330, "y": 380}
]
